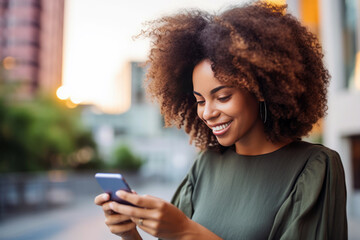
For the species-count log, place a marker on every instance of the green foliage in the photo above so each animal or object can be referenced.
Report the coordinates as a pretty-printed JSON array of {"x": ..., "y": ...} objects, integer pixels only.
[
  {"x": 125, "y": 159},
  {"x": 42, "y": 134}
]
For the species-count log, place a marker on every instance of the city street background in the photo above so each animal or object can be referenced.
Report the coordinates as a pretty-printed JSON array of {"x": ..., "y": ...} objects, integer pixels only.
[{"x": 73, "y": 103}]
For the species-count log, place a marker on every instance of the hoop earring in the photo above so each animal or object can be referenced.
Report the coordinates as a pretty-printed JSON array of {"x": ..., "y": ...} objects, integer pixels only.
[{"x": 263, "y": 111}]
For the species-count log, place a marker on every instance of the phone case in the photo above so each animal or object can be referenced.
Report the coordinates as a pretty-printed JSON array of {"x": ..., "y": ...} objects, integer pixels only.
[{"x": 112, "y": 182}]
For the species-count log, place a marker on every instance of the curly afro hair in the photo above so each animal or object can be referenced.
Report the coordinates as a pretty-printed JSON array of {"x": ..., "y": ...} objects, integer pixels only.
[{"x": 256, "y": 46}]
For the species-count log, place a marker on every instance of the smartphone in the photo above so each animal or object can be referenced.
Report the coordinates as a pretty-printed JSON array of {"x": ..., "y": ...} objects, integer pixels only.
[{"x": 112, "y": 182}]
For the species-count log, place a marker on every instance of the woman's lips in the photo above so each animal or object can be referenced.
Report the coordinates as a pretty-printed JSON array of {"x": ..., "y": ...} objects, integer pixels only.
[{"x": 221, "y": 129}]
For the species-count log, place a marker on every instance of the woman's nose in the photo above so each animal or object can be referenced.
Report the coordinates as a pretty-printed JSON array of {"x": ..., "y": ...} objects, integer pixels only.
[{"x": 210, "y": 112}]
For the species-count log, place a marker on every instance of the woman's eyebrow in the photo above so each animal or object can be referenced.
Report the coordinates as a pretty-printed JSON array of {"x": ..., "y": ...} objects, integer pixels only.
[
  {"x": 197, "y": 93},
  {"x": 217, "y": 89},
  {"x": 213, "y": 91}
]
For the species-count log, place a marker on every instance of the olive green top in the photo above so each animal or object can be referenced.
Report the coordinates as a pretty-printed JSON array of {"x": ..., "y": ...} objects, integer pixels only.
[{"x": 296, "y": 192}]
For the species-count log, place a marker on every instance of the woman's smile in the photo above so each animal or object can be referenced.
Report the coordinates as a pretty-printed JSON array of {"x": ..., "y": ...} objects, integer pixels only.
[{"x": 221, "y": 129}]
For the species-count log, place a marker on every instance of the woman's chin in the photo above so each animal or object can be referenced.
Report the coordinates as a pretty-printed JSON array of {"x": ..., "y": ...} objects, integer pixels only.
[{"x": 225, "y": 143}]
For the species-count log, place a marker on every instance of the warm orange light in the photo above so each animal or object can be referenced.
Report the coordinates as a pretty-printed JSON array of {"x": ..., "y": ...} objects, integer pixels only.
[
  {"x": 309, "y": 14},
  {"x": 9, "y": 63},
  {"x": 357, "y": 71},
  {"x": 276, "y": 2},
  {"x": 70, "y": 104},
  {"x": 62, "y": 93}
]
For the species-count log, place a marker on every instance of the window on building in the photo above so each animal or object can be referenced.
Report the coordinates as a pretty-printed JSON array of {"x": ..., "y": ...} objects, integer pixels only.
[
  {"x": 137, "y": 78},
  {"x": 351, "y": 39}
]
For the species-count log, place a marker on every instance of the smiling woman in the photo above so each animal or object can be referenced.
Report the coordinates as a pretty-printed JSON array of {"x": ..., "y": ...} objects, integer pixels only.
[
  {"x": 229, "y": 111},
  {"x": 243, "y": 85}
]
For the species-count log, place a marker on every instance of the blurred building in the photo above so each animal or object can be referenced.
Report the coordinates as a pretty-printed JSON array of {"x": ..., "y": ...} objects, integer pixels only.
[
  {"x": 337, "y": 23},
  {"x": 167, "y": 151},
  {"x": 31, "y": 40},
  {"x": 340, "y": 32}
]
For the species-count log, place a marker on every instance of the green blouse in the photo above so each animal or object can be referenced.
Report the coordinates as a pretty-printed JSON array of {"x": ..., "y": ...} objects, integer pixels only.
[{"x": 296, "y": 192}]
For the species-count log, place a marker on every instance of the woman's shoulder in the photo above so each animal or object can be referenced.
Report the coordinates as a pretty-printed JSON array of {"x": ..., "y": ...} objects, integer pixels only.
[
  {"x": 309, "y": 150},
  {"x": 317, "y": 150},
  {"x": 322, "y": 159},
  {"x": 316, "y": 205}
]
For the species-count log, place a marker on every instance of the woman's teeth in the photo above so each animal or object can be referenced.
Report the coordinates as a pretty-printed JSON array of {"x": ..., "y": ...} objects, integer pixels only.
[{"x": 221, "y": 127}]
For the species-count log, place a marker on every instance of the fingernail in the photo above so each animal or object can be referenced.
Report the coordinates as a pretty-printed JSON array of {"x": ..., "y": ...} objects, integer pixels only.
[
  {"x": 105, "y": 197},
  {"x": 111, "y": 205},
  {"x": 120, "y": 193}
]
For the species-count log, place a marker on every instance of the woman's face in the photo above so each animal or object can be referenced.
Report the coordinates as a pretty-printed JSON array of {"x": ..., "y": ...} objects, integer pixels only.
[{"x": 231, "y": 113}]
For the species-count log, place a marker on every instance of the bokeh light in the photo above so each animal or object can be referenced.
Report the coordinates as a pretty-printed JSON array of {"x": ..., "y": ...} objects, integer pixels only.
[
  {"x": 62, "y": 93},
  {"x": 9, "y": 62}
]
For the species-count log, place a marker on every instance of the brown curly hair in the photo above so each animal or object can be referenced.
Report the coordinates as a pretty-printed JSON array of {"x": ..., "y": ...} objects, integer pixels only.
[{"x": 257, "y": 46}]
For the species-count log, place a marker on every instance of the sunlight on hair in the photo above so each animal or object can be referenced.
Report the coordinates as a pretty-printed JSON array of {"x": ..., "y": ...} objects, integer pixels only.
[{"x": 276, "y": 2}]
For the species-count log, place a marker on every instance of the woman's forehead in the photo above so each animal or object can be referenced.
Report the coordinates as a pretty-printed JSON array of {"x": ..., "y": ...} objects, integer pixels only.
[{"x": 203, "y": 77}]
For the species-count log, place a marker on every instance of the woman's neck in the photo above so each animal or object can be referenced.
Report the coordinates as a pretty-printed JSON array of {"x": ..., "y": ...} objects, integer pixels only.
[
  {"x": 259, "y": 148},
  {"x": 257, "y": 143}
]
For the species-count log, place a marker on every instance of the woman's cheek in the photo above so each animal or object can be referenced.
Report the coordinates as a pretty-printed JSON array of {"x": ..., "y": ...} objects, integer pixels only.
[
  {"x": 228, "y": 108},
  {"x": 199, "y": 113}
]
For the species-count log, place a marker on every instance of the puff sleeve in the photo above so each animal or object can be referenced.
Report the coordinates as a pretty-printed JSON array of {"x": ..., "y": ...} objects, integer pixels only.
[
  {"x": 183, "y": 195},
  {"x": 316, "y": 206}
]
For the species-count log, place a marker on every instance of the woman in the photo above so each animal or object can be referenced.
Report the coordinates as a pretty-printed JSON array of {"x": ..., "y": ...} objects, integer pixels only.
[{"x": 246, "y": 85}]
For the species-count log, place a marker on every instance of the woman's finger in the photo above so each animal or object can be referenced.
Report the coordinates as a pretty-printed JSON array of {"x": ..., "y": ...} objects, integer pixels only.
[
  {"x": 140, "y": 201},
  {"x": 117, "y": 219},
  {"x": 149, "y": 223},
  {"x": 101, "y": 199},
  {"x": 106, "y": 206},
  {"x": 144, "y": 223},
  {"x": 130, "y": 211},
  {"x": 149, "y": 230},
  {"x": 107, "y": 210},
  {"x": 140, "y": 221},
  {"x": 121, "y": 228}
]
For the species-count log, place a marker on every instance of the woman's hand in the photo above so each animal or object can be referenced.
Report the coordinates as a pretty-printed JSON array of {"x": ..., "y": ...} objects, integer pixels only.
[
  {"x": 118, "y": 224},
  {"x": 160, "y": 218}
]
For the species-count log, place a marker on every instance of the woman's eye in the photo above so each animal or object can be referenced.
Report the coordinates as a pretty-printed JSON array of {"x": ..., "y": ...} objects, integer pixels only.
[
  {"x": 200, "y": 102},
  {"x": 224, "y": 99}
]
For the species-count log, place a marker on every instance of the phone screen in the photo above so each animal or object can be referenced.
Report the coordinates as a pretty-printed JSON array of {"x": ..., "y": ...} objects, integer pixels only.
[{"x": 112, "y": 182}]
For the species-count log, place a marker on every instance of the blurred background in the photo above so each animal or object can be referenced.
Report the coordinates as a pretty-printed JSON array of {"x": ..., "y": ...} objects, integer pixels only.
[{"x": 72, "y": 104}]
